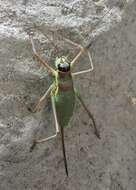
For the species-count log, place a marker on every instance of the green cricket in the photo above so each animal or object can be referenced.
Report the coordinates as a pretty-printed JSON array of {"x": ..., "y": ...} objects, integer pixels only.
[{"x": 62, "y": 92}]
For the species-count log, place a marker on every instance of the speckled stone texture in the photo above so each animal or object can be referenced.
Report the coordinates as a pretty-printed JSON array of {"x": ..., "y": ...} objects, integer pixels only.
[{"x": 109, "y": 92}]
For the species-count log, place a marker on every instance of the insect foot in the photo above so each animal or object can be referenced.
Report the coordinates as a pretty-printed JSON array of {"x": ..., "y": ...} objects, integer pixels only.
[
  {"x": 33, "y": 146},
  {"x": 34, "y": 110},
  {"x": 97, "y": 134},
  {"x": 30, "y": 109}
]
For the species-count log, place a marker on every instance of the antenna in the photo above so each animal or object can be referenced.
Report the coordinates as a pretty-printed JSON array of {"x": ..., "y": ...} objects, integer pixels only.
[
  {"x": 52, "y": 42},
  {"x": 48, "y": 38},
  {"x": 24, "y": 2},
  {"x": 90, "y": 43}
]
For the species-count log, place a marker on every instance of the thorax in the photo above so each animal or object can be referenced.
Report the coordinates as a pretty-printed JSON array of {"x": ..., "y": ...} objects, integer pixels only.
[{"x": 64, "y": 81}]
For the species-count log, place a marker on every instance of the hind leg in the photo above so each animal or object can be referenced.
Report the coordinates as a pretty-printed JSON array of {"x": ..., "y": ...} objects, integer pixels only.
[
  {"x": 96, "y": 132},
  {"x": 56, "y": 128}
]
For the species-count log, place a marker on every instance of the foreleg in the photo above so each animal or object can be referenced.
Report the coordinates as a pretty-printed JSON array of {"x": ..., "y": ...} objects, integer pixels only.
[
  {"x": 87, "y": 70},
  {"x": 82, "y": 50},
  {"x": 38, "y": 57}
]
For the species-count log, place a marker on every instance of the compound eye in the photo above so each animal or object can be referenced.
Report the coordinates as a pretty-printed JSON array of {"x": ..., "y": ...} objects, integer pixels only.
[{"x": 64, "y": 67}]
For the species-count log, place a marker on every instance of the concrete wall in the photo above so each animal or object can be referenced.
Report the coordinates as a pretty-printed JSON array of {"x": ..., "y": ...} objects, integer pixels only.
[{"x": 109, "y": 92}]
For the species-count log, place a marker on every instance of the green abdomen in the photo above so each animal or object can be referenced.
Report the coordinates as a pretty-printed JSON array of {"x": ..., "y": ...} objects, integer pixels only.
[{"x": 64, "y": 102}]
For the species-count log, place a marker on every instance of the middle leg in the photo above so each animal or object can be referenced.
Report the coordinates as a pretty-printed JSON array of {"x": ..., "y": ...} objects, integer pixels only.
[
  {"x": 56, "y": 128},
  {"x": 39, "y": 104}
]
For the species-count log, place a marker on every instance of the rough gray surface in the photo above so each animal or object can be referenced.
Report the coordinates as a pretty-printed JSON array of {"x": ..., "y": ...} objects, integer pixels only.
[{"x": 109, "y": 91}]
